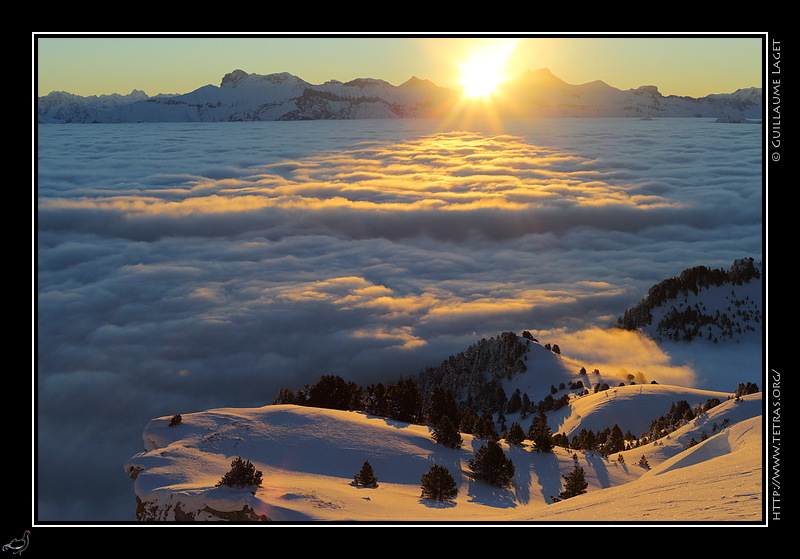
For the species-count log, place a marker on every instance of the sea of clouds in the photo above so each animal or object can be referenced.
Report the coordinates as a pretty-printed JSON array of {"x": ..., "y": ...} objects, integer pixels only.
[{"x": 181, "y": 267}]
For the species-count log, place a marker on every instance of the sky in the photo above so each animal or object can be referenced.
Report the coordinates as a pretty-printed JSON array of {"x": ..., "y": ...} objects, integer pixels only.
[{"x": 678, "y": 65}]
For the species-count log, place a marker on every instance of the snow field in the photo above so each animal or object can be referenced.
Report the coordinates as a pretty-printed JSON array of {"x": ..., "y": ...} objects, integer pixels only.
[{"x": 309, "y": 456}]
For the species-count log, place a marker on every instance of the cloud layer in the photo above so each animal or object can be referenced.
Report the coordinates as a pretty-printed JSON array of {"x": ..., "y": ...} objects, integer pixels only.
[{"x": 182, "y": 267}]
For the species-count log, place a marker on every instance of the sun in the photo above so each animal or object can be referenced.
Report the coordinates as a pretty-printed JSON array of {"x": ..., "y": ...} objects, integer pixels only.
[
  {"x": 480, "y": 78},
  {"x": 482, "y": 73}
]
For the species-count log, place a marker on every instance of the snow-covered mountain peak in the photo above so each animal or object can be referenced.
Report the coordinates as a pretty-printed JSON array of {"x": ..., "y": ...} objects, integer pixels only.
[
  {"x": 649, "y": 89},
  {"x": 414, "y": 81},
  {"x": 231, "y": 79},
  {"x": 239, "y": 77},
  {"x": 542, "y": 76}
]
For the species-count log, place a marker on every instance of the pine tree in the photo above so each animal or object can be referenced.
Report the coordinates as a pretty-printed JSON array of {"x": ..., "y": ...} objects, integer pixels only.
[
  {"x": 404, "y": 402},
  {"x": 526, "y": 405},
  {"x": 501, "y": 420},
  {"x": 366, "y": 476},
  {"x": 333, "y": 392},
  {"x": 574, "y": 483},
  {"x": 285, "y": 396},
  {"x": 540, "y": 434},
  {"x": 588, "y": 439},
  {"x": 445, "y": 433},
  {"x": 438, "y": 484},
  {"x": 467, "y": 422},
  {"x": 491, "y": 465},
  {"x": 442, "y": 403},
  {"x": 241, "y": 474},
  {"x": 514, "y": 402},
  {"x": 484, "y": 428},
  {"x": 375, "y": 400},
  {"x": 615, "y": 441},
  {"x": 515, "y": 435}
]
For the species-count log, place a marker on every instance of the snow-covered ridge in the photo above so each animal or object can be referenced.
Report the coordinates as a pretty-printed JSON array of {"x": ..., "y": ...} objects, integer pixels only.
[
  {"x": 309, "y": 456},
  {"x": 702, "y": 303},
  {"x": 282, "y": 96}
]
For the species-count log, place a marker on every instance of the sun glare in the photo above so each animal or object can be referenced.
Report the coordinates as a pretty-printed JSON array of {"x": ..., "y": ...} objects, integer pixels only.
[{"x": 484, "y": 70}]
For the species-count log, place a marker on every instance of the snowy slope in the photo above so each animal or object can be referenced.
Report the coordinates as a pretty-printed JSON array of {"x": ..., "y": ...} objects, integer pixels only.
[
  {"x": 694, "y": 307},
  {"x": 719, "y": 480},
  {"x": 733, "y": 313},
  {"x": 632, "y": 407},
  {"x": 309, "y": 456}
]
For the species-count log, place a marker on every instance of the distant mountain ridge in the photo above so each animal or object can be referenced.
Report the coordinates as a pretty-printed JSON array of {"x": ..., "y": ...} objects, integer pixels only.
[{"x": 242, "y": 96}]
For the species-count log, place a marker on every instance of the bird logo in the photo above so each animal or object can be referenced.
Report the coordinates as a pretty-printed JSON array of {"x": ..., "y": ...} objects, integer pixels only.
[{"x": 18, "y": 545}]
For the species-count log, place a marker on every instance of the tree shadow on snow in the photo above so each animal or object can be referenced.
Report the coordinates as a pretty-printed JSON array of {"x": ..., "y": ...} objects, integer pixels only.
[
  {"x": 522, "y": 476},
  {"x": 482, "y": 493},
  {"x": 548, "y": 475},
  {"x": 434, "y": 504},
  {"x": 599, "y": 465}
]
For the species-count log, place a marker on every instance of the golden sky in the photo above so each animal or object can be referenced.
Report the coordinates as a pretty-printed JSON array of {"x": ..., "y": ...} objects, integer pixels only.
[{"x": 179, "y": 63}]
